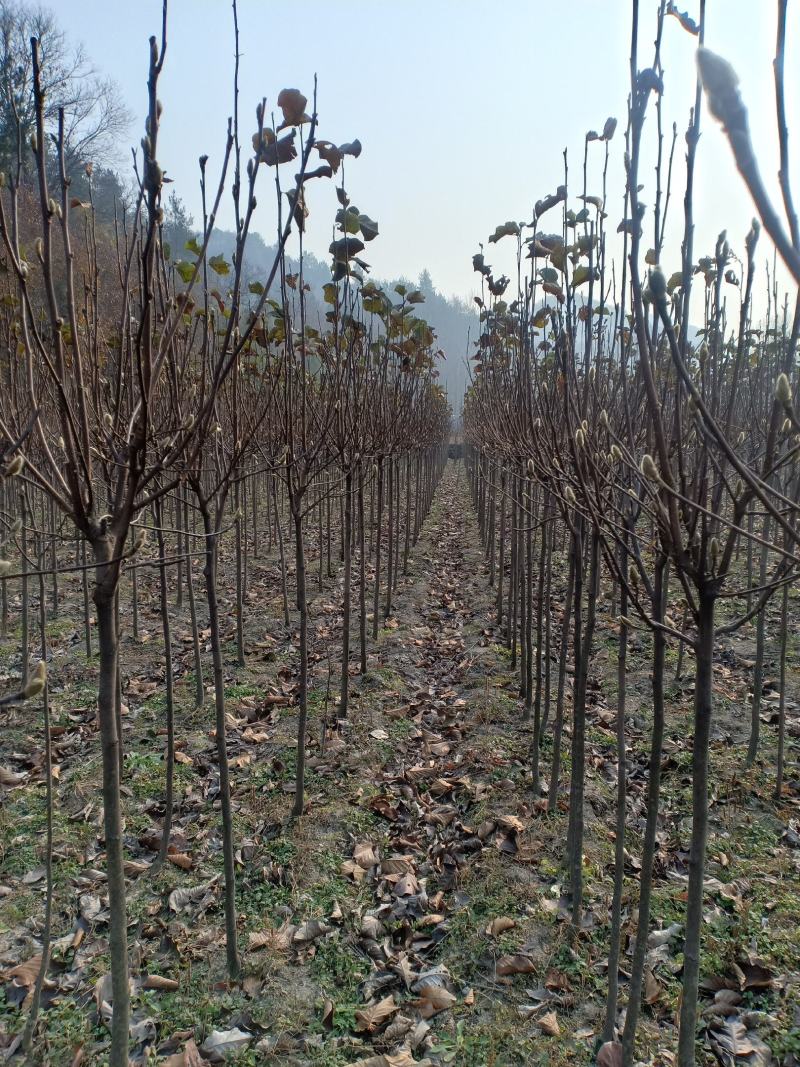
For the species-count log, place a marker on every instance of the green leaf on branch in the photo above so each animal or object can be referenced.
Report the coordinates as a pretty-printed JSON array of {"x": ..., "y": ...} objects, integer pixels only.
[
  {"x": 219, "y": 265},
  {"x": 186, "y": 270}
]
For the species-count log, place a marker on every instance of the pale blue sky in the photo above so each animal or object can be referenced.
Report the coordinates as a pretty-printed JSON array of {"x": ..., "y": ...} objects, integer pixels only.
[{"x": 463, "y": 107}]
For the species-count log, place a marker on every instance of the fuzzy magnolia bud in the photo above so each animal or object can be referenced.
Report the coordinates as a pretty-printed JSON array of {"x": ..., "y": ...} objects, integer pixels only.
[
  {"x": 107, "y": 420},
  {"x": 580, "y": 440},
  {"x": 15, "y": 466},
  {"x": 570, "y": 496},
  {"x": 616, "y": 452},
  {"x": 658, "y": 284},
  {"x": 531, "y": 467},
  {"x": 721, "y": 84},
  {"x": 713, "y": 551},
  {"x": 787, "y": 425},
  {"x": 37, "y": 682},
  {"x": 138, "y": 541},
  {"x": 604, "y": 419},
  {"x": 783, "y": 391},
  {"x": 649, "y": 469}
]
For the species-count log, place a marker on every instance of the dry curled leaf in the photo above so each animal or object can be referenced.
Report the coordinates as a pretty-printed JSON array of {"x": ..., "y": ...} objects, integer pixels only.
[
  {"x": 433, "y": 999},
  {"x": 500, "y": 925},
  {"x": 548, "y": 1024},
  {"x": 293, "y": 105},
  {"x": 25, "y": 974},
  {"x": 610, "y": 1054},
  {"x": 516, "y": 964},
  {"x": 158, "y": 981},
  {"x": 373, "y": 1016}
]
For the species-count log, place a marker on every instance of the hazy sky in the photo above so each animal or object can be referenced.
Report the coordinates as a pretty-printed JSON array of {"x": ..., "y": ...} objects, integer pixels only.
[{"x": 463, "y": 107}]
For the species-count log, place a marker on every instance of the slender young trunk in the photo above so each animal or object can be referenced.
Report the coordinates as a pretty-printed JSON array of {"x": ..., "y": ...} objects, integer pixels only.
[
  {"x": 558, "y": 725},
  {"x": 537, "y": 703},
  {"x": 362, "y": 572},
  {"x": 328, "y": 534},
  {"x": 379, "y": 524},
  {"x": 23, "y": 540},
  {"x": 397, "y": 488},
  {"x": 237, "y": 533},
  {"x": 407, "y": 541},
  {"x": 390, "y": 544},
  {"x": 490, "y": 548},
  {"x": 302, "y": 696},
  {"x": 169, "y": 787},
  {"x": 53, "y": 555},
  {"x": 578, "y": 769},
  {"x": 178, "y": 519},
  {"x": 104, "y": 595},
  {"x": 501, "y": 552},
  {"x": 548, "y": 626},
  {"x": 135, "y": 603},
  {"x": 758, "y": 670},
  {"x": 281, "y": 552},
  {"x": 210, "y": 574},
  {"x": 522, "y": 591},
  {"x": 197, "y": 658},
  {"x": 30, "y": 1025},
  {"x": 87, "y": 623},
  {"x": 348, "y": 564},
  {"x": 511, "y": 635},
  {"x": 321, "y": 534},
  {"x": 658, "y": 608},
  {"x": 619, "y": 829},
  {"x": 703, "y": 701},
  {"x": 530, "y": 521},
  {"x": 782, "y": 698}
]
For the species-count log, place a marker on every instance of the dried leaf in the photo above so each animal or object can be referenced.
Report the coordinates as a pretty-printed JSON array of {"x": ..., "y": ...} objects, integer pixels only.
[
  {"x": 433, "y": 999},
  {"x": 610, "y": 1054},
  {"x": 500, "y": 925},
  {"x": 158, "y": 981},
  {"x": 372, "y": 1017},
  {"x": 516, "y": 964},
  {"x": 548, "y": 1024},
  {"x": 25, "y": 974}
]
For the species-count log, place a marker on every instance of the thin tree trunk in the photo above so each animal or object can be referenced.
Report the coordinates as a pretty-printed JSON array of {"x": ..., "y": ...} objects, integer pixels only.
[
  {"x": 302, "y": 696},
  {"x": 169, "y": 786},
  {"x": 703, "y": 702},
  {"x": 104, "y": 595},
  {"x": 210, "y": 574},
  {"x": 348, "y": 564}
]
